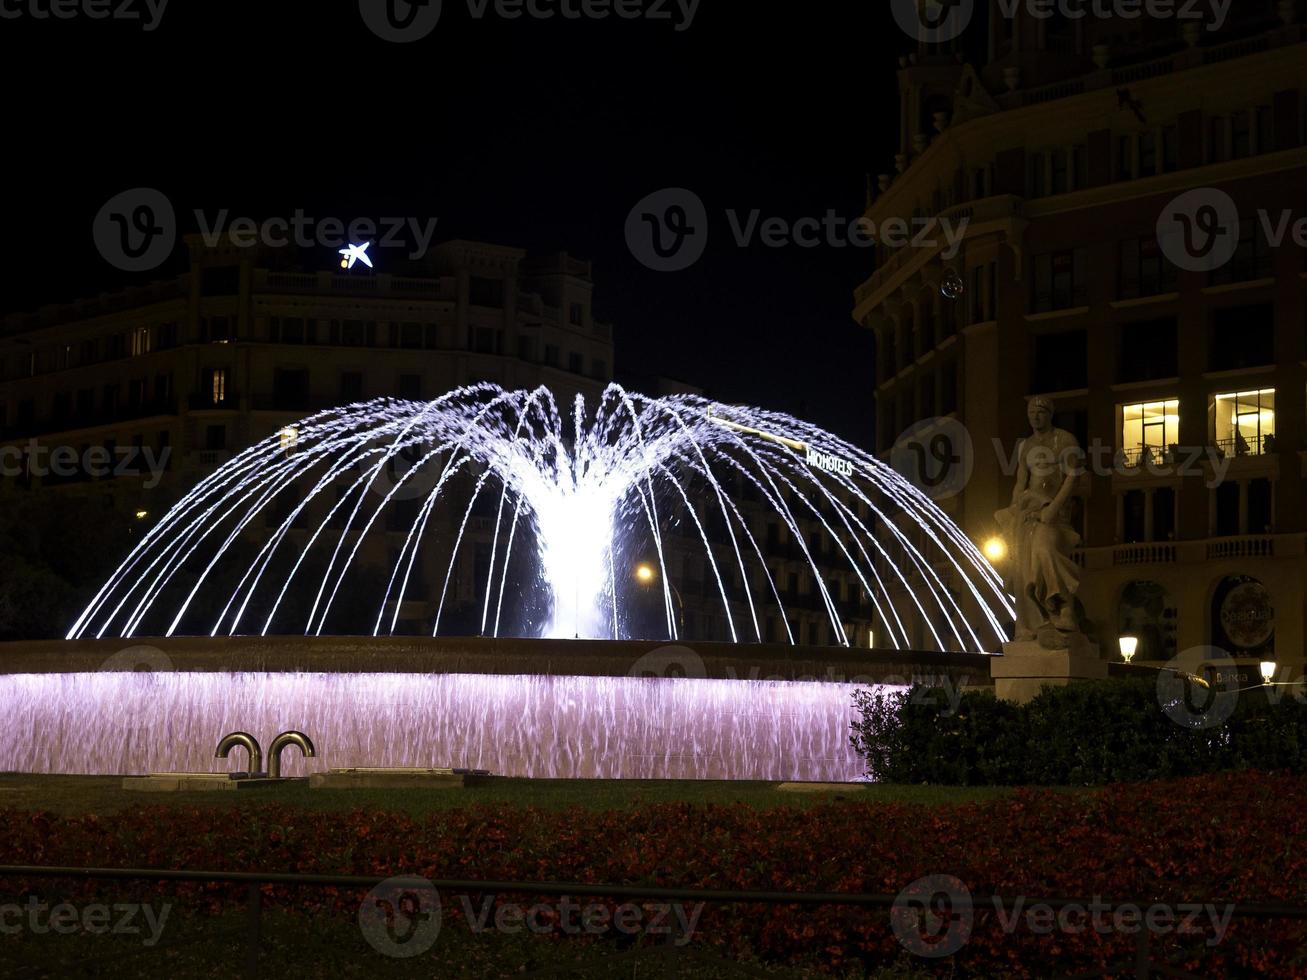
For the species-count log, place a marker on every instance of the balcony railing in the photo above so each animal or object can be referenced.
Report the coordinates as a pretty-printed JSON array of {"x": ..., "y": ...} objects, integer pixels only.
[
  {"x": 1144, "y": 554},
  {"x": 1256, "y": 546}
]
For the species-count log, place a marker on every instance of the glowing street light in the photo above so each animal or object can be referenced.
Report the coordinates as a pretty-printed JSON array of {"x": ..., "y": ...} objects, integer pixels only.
[
  {"x": 644, "y": 573},
  {"x": 1268, "y": 670},
  {"x": 1129, "y": 645},
  {"x": 995, "y": 549},
  {"x": 288, "y": 437},
  {"x": 142, "y": 515}
]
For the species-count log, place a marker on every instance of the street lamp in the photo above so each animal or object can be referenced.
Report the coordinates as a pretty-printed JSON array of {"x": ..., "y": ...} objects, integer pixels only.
[
  {"x": 646, "y": 574},
  {"x": 995, "y": 549},
  {"x": 1129, "y": 645},
  {"x": 1268, "y": 671}
]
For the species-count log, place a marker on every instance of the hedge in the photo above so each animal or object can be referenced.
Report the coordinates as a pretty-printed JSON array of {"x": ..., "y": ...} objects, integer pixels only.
[{"x": 1085, "y": 734}]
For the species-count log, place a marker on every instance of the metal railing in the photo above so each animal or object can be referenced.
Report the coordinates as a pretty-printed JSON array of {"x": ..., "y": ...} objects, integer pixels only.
[{"x": 1142, "y": 964}]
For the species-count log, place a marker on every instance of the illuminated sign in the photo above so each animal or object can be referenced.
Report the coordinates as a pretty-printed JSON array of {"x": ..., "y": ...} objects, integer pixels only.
[
  {"x": 355, "y": 253},
  {"x": 829, "y": 463}
]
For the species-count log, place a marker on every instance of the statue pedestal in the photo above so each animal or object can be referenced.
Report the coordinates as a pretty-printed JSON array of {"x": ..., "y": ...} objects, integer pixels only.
[{"x": 1025, "y": 667}]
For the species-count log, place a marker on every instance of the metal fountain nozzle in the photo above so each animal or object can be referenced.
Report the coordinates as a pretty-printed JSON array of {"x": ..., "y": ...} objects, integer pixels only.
[
  {"x": 245, "y": 741},
  {"x": 298, "y": 739}
]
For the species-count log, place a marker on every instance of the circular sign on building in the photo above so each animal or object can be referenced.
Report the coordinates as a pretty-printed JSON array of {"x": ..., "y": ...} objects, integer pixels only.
[{"x": 1247, "y": 615}]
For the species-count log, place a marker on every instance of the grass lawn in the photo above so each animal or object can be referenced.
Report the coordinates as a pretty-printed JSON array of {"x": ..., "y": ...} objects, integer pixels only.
[{"x": 75, "y": 795}]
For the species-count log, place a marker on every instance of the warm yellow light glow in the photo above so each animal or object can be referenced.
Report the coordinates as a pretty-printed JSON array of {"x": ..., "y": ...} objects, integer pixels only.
[
  {"x": 995, "y": 549},
  {"x": 142, "y": 515},
  {"x": 1128, "y": 644},
  {"x": 1268, "y": 670},
  {"x": 644, "y": 573},
  {"x": 289, "y": 436}
]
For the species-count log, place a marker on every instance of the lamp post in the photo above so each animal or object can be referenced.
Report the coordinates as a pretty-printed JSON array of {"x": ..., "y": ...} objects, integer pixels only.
[
  {"x": 646, "y": 574},
  {"x": 1129, "y": 646}
]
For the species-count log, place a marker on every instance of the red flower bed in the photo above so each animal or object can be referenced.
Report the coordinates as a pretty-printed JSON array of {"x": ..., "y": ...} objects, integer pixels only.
[{"x": 1221, "y": 838}]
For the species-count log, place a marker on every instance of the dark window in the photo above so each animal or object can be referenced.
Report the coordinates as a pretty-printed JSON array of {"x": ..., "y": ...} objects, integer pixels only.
[
  {"x": 431, "y": 336},
  {"x": 576, "y": 314},
  {"x": 1163, "y": 514},
  {"x": 1058, "y": 363},
  {"x": 526, "y": 348},
  {"x": 290, "y": 388},
  {"x": 410, "y": 335},
  {"x": 215, "y": 437},
  {"x": 1253, "y": 258},
  {"x": 225, "y": 281},
  {"x": 1060, "y": 280},
  {"x": 1227, "y": 509},
  {"x": 351, "y": 387},
  {"x": 1148, "y": 350},
  {"x": 485, "y": 292},
  {"x": 551, "y": 355},
  {"x": 1132, "y": 526},
  {"x": 575, "y": 362},
  {"x": 1144, "y": 270},
  {"x": 1259, "y": 506},
  {"x": 410, "y": 387},
  {"x": 1242, "y": 337},
  {"x": 484, "y": 340}
]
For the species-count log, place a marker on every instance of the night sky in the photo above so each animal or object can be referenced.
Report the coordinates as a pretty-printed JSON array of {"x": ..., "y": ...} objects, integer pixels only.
[{"x": 538, "y": 134}]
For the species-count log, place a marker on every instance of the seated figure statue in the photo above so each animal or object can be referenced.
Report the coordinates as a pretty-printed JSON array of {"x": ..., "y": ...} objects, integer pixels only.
[{"x": 1040, "y": 572}]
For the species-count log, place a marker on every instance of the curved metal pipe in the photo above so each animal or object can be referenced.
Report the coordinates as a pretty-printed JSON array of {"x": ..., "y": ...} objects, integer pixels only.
[
  {"x": 245, "y": 741},
  {"x": 298, "y": 739}
]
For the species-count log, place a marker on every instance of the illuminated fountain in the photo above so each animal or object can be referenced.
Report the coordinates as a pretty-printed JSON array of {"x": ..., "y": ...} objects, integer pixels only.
[
  {"x": 578, "y": 500},
  {"x": 562, "y": 510}
]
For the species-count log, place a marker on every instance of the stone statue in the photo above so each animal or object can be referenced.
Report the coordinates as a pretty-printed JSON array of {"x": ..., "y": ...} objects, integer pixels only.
[{"x": 1039, "y": 536}]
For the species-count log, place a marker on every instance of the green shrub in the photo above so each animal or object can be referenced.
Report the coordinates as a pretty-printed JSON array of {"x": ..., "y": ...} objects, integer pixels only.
[{"x": 1083, "y": 734}]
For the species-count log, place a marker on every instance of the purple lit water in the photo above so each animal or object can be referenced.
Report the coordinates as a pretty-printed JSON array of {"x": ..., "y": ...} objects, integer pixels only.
[{"x": 516, "y": 725}]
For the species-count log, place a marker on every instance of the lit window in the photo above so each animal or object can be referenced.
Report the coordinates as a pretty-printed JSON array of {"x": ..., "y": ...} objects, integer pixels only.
[
  {"x": 1149, "y": 428},
  {"x": 219, "y": 390},
  {"x": 140, "y": 341},
  {"x": 1245, "y": 422}
]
